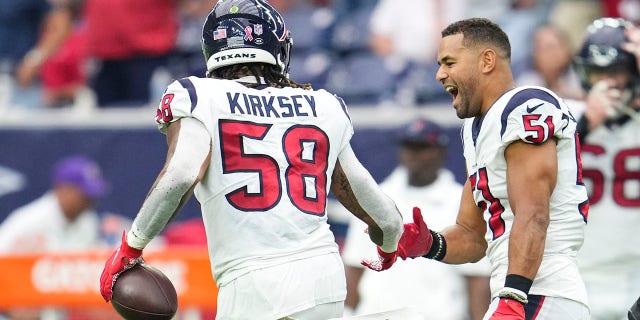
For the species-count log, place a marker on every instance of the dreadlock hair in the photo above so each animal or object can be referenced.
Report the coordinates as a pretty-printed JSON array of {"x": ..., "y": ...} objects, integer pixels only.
[{"x": 272, "y": 76}]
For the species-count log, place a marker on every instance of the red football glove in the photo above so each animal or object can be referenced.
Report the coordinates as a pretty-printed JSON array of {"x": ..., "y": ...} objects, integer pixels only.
[
  {"x": 416, "y": 240},
  {"x": 385, "y": 260},
  {"x": 508, "y": 309},
  {"x": 123, "y": 258}
]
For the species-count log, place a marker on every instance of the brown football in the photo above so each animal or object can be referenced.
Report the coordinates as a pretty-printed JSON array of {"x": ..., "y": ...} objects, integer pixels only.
[{"x": 144, "y": 292}]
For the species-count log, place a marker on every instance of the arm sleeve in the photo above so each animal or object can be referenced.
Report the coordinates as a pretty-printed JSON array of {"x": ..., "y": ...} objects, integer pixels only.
[
  {"x": 371, "y": 198},
  {"x": 179, "y": 175}
]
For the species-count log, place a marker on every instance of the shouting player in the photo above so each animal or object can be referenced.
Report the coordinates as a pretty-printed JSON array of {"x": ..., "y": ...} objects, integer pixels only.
[
  {"x": 261, "y": 153},
  {"x": 524, "y": 203},
  {"x": 610, "y": 128}
]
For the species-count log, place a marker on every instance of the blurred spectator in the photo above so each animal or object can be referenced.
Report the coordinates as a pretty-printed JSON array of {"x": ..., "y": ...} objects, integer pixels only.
[
  {"x": 30, "y": 31},
  {"x": 573, "y": 17},
  {"x": 436, "y": 290},
  {"x": 187, "y": 58},
  {"x": 63, "y": 73},
  {"x": 518, "y": 18},
  {"x": 410, "y": 31},
  {"x": 552, "y": 64},
  {"x": 626, "y": 9},
  {"x": 406, "y": 38},
  {"x": 129, "y": 41},
  {"x": 62, "y": 220}
]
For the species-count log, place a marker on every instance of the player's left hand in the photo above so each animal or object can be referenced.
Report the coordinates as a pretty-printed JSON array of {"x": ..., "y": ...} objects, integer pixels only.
[
  {"x": 385, "y": 260},
  {"x": 508, "y": 309},
  {"x": 123, "y": 258}
]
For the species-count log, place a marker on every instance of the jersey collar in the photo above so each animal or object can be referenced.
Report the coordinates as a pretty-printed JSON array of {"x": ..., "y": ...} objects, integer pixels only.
[{"x": 249, "y": 79}]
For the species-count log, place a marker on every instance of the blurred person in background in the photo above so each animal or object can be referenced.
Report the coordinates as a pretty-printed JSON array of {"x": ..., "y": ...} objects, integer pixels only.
[
  {"x": 436, "y": 290},
  {"x": 187, "y": 57},
  {"x": 62, "y": 220},
  {"x": 552, "y": 65},
  {"x": 518, "y": 18},
  {"x": 409, "y": 32},
  {"x": 573, "y": 17},
  {"x": 128, "y": 41},
  {"x": 63, "y": 73},
  {"x": 406, "y": 37},
  {"x": 626, "y": 9},
  {"x": 609, "y": 130},
  {"x": 30, "y": 31}
]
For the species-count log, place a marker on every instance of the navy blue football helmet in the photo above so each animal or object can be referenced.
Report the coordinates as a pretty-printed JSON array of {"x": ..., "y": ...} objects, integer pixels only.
[
  {"x": 245, "y": 31},
  {"x": 602, "y": 51}
]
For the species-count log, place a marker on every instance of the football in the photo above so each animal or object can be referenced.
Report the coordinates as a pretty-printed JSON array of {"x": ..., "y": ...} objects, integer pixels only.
[{"x": 144, "y": 292}]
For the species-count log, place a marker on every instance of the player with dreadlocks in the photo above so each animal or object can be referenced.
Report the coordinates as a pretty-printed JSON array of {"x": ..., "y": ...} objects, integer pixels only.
[{"x": 261, "y": 153}]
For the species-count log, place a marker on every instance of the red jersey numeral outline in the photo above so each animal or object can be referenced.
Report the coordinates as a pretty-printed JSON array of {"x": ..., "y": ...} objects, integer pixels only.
[
  {"x": 480, "y": 181},
  {"x": 164, "y": 111},
  {"x": 306, "y": 149},
  {"x": 622, "y": 174}
]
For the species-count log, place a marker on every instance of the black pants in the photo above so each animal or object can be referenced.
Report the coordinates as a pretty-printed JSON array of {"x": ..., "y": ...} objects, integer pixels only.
[{"x": 126, "y": 82}]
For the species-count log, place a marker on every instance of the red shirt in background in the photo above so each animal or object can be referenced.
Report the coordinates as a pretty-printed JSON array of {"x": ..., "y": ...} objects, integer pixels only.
[{"x": 120, "y": 29}]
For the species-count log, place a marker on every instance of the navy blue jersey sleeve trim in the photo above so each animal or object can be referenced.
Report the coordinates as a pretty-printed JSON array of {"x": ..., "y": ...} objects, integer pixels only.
[
  {"x": 191, "y": 89},
  {"x": 344, "y": 106},
  {"x": 532, "y": 308},
  {"x": 475, "y": 128},
  {"x": 520, "y": 98}
]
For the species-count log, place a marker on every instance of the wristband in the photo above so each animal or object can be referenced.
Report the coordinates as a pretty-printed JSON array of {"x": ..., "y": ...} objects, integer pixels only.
[
  {"x": 513, "y": 294},
  {"x": 438, "y": 247},
  {"x": 136, "y": 241},
  {"x": 518, "y": 282},
  {"x": 516, "y": 287}
]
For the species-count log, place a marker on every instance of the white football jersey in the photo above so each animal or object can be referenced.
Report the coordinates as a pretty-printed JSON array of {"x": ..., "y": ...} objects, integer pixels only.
[
  {"x": 611, "y": 158},
  {"x": 532, "y": 115},
  {"x": 264, "y": 194},
  {"x": 610, "y": 257}
]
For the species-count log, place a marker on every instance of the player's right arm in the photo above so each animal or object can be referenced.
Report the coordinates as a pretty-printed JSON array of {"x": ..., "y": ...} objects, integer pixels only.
[
  {"x": 459, "y": 243},
  {"x": 354, "y": 187},
  {"x": 188, "y": 158}
]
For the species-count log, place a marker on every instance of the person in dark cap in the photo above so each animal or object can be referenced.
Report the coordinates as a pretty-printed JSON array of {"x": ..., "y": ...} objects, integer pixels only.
[
  {"x": 63, "y": 218},
  {"x": 419, "y": 180},
  {"x": 422, "y": 149}
]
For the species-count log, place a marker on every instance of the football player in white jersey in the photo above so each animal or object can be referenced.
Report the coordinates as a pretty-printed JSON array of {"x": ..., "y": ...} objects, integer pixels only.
[
  {"x": 260, "y": 152},
  {"x": 610, "y": 134},
  {"x": 524, "y": 204}
]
